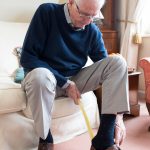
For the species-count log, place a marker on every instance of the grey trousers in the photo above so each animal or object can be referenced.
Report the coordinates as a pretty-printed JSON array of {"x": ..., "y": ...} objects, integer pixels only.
[{"x": 110, "y": 73}]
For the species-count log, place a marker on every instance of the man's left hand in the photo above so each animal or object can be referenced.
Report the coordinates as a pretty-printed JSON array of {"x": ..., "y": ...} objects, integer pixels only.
[{"x": 120, "y": 130}]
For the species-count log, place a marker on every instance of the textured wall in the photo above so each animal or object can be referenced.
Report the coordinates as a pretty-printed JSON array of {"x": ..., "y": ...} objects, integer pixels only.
[{"x": 19, "y": 10}]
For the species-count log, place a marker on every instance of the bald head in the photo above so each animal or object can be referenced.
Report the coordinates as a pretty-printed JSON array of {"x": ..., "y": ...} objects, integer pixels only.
[
  {"x": 90, "y": 6},
  {"x": 99, "y": 3}
]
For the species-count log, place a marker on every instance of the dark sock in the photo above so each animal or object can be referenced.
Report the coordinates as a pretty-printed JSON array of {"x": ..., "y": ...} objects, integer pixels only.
[
  {"x": 49, "y": 138},
  {"x": 105, "y": 134}
]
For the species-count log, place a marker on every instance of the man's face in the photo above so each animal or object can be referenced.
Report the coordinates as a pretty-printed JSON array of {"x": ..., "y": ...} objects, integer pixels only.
[{"x": 83, "y": 13}]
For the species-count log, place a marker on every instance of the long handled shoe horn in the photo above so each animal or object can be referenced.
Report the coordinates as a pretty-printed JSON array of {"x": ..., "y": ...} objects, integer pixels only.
[{"x": 90, "y": 131}]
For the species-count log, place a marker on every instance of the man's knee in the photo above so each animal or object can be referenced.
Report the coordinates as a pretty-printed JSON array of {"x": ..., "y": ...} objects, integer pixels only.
[
  {"x": 118, "y": 62},
  {"x": 42, "y": 77}
]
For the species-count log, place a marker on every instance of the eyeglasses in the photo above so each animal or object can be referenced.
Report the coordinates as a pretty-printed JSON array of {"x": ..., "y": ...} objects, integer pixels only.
[{"x": 83, "y": 15}]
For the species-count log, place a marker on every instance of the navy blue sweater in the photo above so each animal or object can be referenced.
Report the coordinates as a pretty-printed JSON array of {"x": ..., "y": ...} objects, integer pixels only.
[{"x": 52, "y": 43}]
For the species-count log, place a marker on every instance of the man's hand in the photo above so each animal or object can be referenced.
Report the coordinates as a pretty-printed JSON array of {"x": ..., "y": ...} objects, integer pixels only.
[
  {"x": 120, "y": 130},
  {"x": 73, "y": 92}
]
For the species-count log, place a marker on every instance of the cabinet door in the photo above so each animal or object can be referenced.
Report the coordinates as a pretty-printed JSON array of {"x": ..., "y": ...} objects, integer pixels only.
[
  {"x": 107, "y": 27},
  {"x": 110, "y": 40},
  {"x": 108, "y": 12}
]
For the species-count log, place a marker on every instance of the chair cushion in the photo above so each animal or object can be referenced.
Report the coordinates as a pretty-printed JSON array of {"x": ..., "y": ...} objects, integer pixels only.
[
  {"x": 65, "y": 106},
  {"x": 12, "y": 97}
]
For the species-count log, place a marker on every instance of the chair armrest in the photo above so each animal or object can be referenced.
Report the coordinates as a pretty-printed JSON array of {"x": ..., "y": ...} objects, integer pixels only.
[
  {"x": 145, "y": 65},
  {"x": 145, "y": 62}
]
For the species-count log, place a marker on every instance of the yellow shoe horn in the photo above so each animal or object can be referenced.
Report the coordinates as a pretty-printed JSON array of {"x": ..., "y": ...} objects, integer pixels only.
[{"x": 90, "y": 131}]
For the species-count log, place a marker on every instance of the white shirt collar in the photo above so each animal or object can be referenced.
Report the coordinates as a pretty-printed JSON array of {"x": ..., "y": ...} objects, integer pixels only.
[{"x": 67, "y": 15}]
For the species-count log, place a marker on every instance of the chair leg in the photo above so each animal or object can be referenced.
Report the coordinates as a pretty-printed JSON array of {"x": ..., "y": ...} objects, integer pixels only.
[{"x": 148, "y": 108}]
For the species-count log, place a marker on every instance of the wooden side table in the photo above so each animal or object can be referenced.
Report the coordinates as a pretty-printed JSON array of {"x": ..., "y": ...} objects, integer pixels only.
[{"x": 133, "y": 94}]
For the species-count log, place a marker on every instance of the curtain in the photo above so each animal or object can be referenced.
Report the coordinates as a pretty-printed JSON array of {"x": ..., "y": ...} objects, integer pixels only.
[
  {"x": 129, "y": 17},
  {"x": 121, "y": 14}
]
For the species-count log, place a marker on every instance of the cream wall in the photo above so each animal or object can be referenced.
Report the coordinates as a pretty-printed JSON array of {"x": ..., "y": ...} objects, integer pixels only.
[
  {"x": 20, "y": 10},
  {"x": 144, "y": 51}
]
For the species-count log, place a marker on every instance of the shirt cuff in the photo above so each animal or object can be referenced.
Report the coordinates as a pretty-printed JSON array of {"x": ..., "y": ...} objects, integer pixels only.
[{"x": 66, "y": 84}]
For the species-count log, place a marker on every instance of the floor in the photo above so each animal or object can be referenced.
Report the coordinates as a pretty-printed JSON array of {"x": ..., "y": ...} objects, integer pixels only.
[{"x": 138, "y": 137}]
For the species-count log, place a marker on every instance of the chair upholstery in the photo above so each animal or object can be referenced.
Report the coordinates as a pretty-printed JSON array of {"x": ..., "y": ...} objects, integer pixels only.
[{"x": 145, "y": 65}]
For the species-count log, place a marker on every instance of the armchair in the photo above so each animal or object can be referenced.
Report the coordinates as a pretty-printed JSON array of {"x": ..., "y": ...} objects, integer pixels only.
[
  {"x": 16, "y": 123},
  {"x": 145, "y": 65}
]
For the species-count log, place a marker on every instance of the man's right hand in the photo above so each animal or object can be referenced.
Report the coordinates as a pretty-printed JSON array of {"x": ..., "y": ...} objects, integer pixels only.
[{"x": 73, "y": 92}]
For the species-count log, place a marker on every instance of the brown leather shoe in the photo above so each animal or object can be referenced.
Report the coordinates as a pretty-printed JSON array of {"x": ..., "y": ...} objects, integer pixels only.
[
  {"x": 46, "y": 146},
  {"x": 114, "y": 147}
]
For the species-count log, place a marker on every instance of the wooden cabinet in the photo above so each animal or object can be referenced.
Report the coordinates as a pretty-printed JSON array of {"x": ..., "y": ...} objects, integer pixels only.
[
  {"x": 110, "y": 40},
  {"x": 108, "y": 11},
  {"x": 107, "y": 27}
]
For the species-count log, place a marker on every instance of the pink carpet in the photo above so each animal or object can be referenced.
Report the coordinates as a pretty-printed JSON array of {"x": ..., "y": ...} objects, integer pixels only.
[{"x": 138, "y": 137}]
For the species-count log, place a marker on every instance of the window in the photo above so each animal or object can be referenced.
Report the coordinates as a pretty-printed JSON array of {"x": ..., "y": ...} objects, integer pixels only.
[{"x": 145, "y": 21}]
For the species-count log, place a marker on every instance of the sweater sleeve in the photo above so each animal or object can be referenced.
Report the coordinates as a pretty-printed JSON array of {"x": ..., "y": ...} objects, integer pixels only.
[
  {"x": 35, "y": 42},
  {"x": 98, "y": 50}
]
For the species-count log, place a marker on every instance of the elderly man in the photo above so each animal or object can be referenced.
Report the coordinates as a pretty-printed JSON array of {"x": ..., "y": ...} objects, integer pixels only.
[{"x": 55, "y": 49}]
